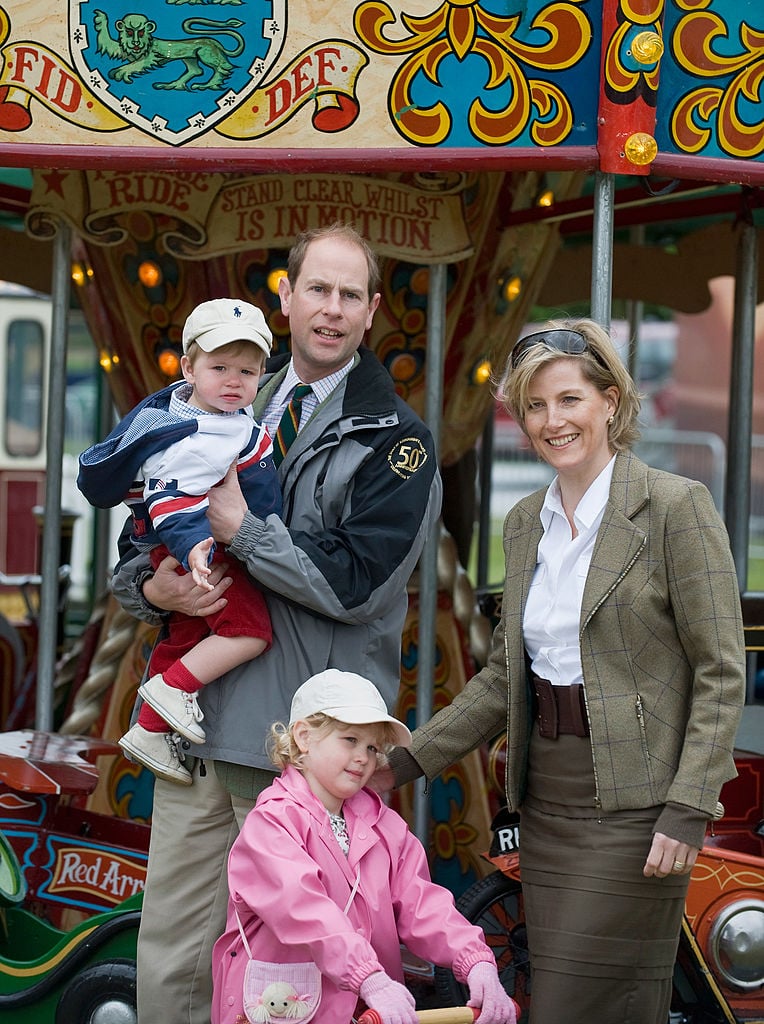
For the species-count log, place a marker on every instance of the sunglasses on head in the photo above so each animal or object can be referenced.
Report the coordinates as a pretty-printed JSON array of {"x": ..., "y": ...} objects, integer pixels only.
[{"x": 570, "y": 343}]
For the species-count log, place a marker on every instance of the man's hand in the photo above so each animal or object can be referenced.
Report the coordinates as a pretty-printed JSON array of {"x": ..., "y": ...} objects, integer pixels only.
[
  {"x": 227, "y": 507},
  {"x": 174, "y": 592}
]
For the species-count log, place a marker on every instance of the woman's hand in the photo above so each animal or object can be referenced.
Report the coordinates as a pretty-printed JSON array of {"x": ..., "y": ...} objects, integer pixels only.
[
  {"x": 382, "y": 781},
  {"x": 227, "y": 507},
  {"x": 176, "y": 592},
  {"x": 669, "y": 857}
]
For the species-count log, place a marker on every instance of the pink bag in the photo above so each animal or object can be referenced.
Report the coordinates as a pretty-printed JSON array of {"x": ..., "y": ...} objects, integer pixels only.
[{"x": 281, "y": 992}]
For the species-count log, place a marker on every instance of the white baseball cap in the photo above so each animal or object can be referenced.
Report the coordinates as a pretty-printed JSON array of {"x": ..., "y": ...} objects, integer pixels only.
[
  {"x": 347, "y": 697},
  {"x": 218, "y": 322}
]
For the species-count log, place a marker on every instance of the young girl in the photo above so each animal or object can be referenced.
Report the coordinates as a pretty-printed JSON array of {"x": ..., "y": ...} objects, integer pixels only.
[{"x": 325, "y": 881}]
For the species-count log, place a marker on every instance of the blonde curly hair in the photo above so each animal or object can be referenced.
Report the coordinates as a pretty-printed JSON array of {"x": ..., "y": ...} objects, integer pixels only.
[{"x": 283, "y": 750}]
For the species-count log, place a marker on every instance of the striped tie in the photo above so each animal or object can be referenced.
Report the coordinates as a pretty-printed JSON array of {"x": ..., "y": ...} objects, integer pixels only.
[{"x": 289, "y": 423}]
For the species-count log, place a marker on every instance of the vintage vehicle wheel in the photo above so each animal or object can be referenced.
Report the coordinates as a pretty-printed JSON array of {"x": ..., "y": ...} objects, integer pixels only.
[
  {"x": 495, "y": 904},
  {"x": 101, "y": 994}
]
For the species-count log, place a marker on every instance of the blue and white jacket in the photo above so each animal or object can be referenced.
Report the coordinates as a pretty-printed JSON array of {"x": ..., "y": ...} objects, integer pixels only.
[{"x": 163, "y": 458}]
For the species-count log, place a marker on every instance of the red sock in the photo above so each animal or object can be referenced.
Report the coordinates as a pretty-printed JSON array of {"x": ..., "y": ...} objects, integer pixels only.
[
  {"x": 180, "y": 678},
  {"x": 151, "y": 720}
]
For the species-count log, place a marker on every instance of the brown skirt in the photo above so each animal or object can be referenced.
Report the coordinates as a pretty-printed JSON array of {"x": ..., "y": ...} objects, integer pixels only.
[{"x": 602, "y": 937}]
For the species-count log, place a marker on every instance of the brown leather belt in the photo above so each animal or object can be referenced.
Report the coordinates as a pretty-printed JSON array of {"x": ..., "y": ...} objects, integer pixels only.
[{"x": 560, "y": 709}]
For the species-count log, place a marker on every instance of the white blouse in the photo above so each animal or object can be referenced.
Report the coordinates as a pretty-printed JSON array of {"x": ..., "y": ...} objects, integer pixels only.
[{"x": 552, "y": 614}]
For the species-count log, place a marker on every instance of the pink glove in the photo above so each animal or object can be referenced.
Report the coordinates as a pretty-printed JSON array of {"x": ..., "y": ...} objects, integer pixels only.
[
  {"x": 391, "y": 1000},
  {"x": 486, "y": 992}
]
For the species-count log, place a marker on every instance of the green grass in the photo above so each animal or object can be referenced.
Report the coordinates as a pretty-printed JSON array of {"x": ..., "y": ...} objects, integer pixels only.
[
  {"x": 495, "y": 576},
  {"x": 755, "y": 574}
]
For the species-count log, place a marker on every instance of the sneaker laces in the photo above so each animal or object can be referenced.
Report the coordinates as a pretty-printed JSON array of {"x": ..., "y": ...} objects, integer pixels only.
[
  {"x": 191, "y": 706},
  {"x": 173, "y": 741}
]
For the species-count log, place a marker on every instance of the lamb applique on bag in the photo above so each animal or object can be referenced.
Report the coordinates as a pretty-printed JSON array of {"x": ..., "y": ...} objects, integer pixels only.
[{"x": 270, "y": 999}]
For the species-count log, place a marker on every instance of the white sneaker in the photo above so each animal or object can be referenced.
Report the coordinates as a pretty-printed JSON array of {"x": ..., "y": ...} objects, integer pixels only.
[
  {"x": 178, "y": 708},
  {"x": 157, "y": 751}
]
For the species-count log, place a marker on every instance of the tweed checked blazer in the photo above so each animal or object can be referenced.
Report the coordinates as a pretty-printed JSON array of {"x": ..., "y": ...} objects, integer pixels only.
[{"x": 662, "y": 650}]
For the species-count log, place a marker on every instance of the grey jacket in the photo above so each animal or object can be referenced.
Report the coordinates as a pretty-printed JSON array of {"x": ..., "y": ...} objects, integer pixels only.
[
  {"x": 661, "y": 646},
  {"x": 361, "y": 491}
]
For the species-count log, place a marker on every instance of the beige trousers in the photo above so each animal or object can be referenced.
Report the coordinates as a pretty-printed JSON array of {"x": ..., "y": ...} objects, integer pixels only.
[{"x": 186, "y": 895}]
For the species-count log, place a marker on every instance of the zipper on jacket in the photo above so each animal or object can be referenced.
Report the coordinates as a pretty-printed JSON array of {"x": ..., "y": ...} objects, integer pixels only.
[
  {"x": 521, "y": 782},
  {"x": 597, "y": 801},
  {"x": 643, "y": 732},
  {"x": 612, "y": 586},
  {"x": 605, "y": 596},
  {"x": 640, "y": 712}
]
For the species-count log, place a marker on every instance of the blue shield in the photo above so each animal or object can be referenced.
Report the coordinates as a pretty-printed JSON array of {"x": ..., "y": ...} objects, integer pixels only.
[{"x": 177, "y": 72}]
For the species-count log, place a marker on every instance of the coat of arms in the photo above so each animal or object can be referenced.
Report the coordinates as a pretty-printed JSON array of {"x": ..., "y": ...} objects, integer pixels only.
[{"x": 174, "y": 73}]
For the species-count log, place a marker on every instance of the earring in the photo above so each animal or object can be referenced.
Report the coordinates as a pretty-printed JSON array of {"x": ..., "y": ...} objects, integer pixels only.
[{"x": 610, "y": 421}]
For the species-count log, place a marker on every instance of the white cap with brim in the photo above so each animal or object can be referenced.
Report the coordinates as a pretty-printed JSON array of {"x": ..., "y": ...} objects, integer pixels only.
[
  {"x": 349, "y": 698},
  {"x": 218, "y": 322}
]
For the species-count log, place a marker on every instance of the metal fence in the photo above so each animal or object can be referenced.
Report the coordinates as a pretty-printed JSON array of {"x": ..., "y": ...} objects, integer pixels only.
[
  {"x": 697, "y": 454},
  {"x": 701, "y": 455}
]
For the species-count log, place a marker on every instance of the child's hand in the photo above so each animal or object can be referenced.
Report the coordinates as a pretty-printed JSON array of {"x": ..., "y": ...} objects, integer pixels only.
[
  {"x": 175, "y": 591},
  {"x": 486, "y": 991},
  {"x": 198, "y": 558},
  {"x": 392, "y": 1001}
]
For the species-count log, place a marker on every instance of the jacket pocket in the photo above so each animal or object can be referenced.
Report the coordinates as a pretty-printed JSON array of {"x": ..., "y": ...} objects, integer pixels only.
[{"x": 643, "y": 737}]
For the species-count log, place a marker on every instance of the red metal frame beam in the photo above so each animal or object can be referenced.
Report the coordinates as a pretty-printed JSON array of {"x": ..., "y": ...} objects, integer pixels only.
[
  {"x": 667, "y": 212},
  {"x": 633, "y": 206},
  {"x": 14, "y": 199}
]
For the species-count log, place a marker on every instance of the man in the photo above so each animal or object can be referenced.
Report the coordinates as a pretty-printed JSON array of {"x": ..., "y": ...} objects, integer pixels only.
[{"x": 361, "y": 492}]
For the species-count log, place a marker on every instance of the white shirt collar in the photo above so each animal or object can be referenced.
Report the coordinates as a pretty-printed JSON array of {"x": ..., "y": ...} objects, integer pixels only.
[
  {"x": 591, "y": 505},
  {"x": 321, "y": 388}
]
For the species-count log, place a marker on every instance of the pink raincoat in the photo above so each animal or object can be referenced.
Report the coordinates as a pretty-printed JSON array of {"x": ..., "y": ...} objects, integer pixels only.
[{"x": 290, "y": 882}]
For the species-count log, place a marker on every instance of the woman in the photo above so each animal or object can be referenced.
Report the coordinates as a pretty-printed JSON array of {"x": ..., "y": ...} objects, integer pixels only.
[{"x": 618, "y": 672}]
